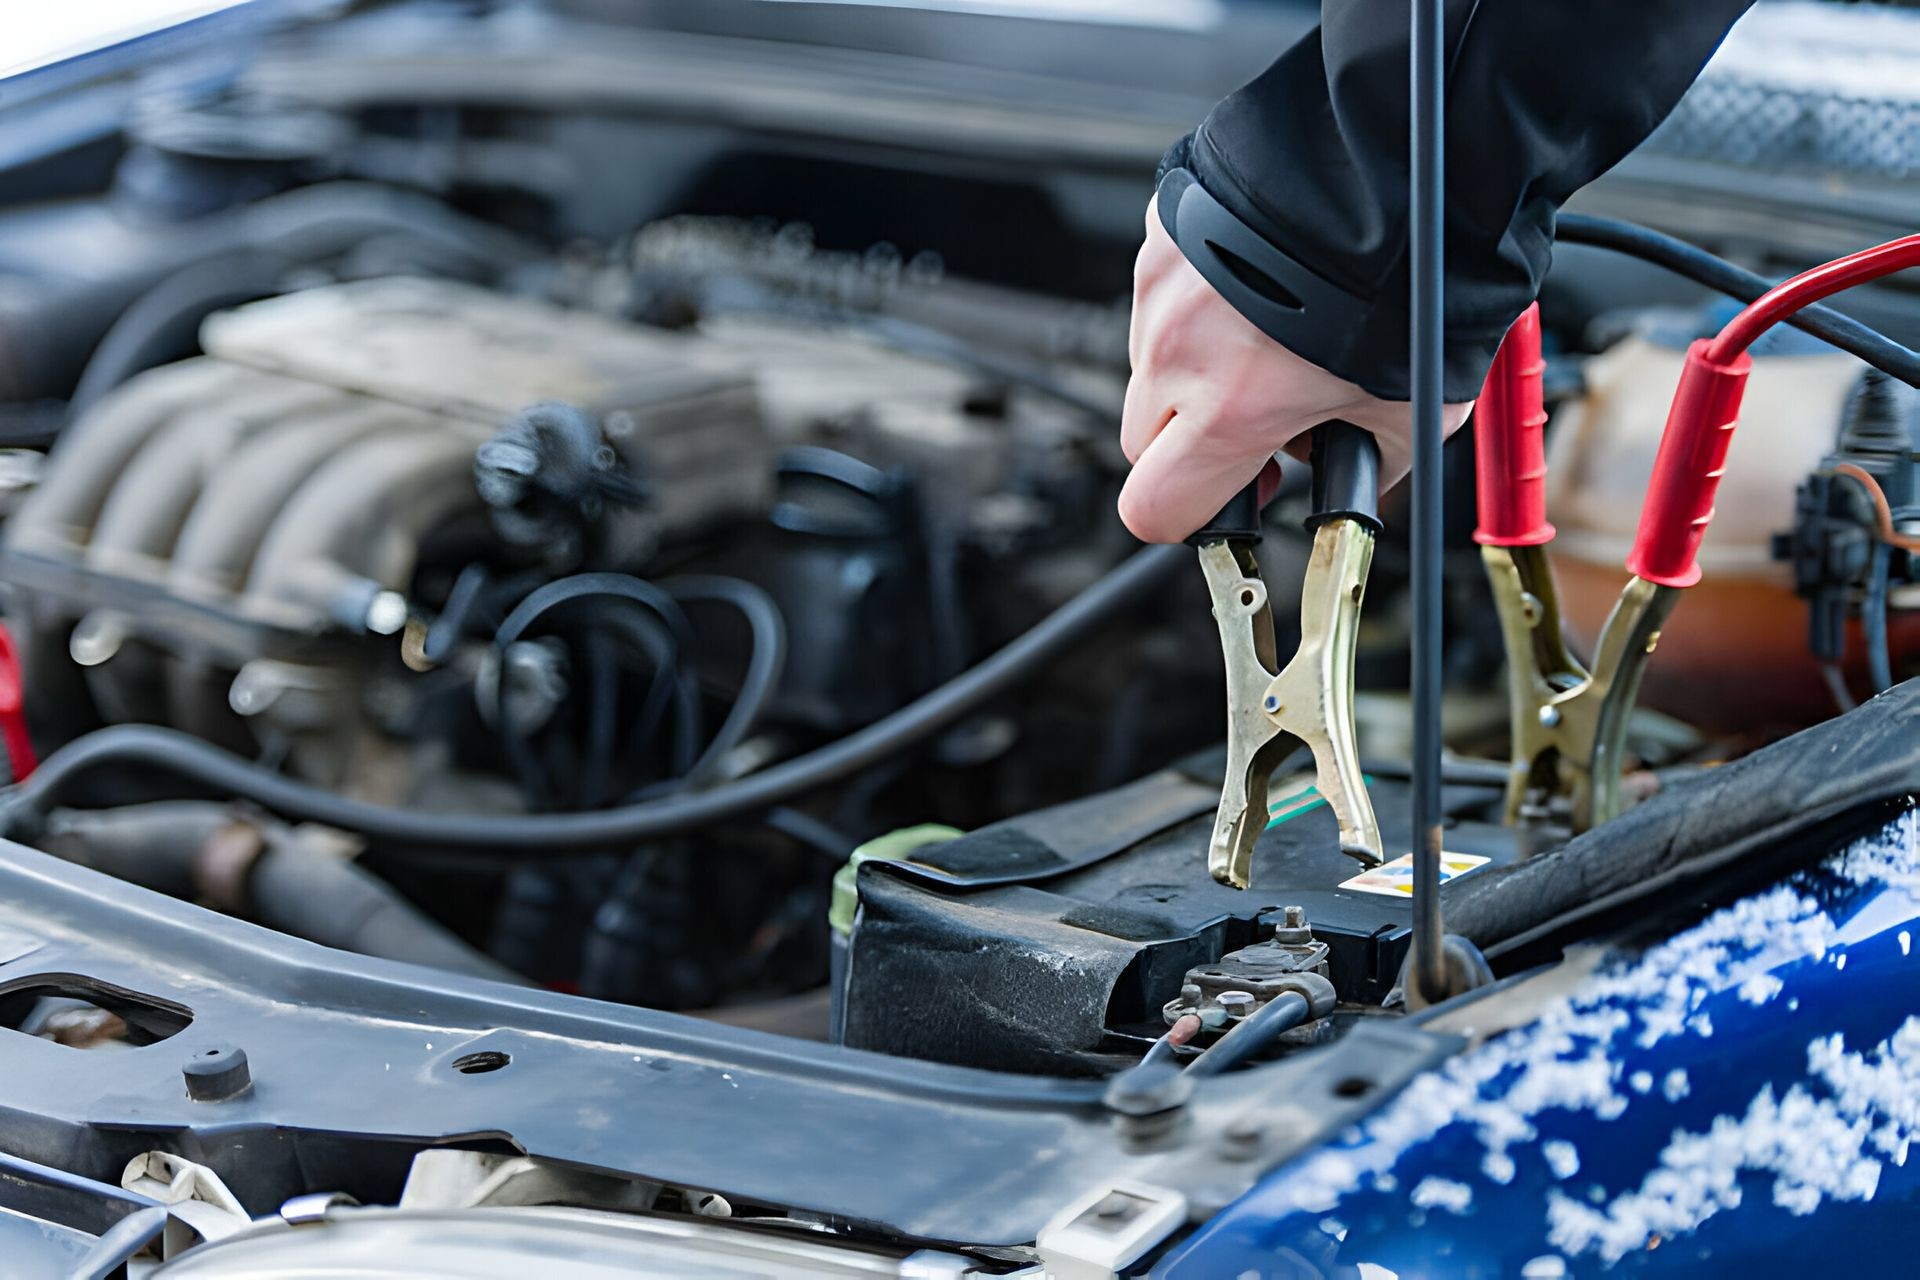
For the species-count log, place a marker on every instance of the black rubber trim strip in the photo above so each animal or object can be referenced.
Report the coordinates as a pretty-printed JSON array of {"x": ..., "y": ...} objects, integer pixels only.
[
  {"x": 1066, "y": 837},
  {"x": 1700, "y": 830}
]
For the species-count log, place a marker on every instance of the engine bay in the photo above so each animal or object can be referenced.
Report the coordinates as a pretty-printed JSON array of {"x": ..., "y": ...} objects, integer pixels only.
[{"x": 591, "y": 552}]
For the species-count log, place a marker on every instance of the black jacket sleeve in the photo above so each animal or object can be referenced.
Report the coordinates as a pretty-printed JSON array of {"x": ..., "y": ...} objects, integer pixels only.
[{"x": 1311, "y": 158}]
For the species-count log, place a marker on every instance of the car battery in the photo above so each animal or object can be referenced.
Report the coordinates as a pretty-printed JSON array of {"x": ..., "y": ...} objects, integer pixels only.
[{"x": 1053, "y": 942}]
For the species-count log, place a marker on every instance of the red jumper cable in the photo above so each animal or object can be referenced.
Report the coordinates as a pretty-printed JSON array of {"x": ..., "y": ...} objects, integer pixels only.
[{"x": 1693, "y": 449}]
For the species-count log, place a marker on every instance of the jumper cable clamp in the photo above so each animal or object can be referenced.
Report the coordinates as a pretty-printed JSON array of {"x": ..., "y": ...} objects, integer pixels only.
[
  {"x": 1310, "y": 700},
  {"x": 1569, "y": 721}
]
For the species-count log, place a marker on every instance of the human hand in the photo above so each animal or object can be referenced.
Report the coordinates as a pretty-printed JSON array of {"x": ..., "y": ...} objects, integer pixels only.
[{"x": 1212, "y": 399}]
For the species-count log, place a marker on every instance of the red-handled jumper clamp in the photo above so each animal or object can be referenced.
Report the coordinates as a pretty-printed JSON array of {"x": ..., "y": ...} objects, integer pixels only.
[{"x": 1569, "y": 722}]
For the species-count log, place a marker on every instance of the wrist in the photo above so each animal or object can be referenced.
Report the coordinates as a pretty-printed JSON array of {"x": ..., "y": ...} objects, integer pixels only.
[{"x": 1363, "y": 339}]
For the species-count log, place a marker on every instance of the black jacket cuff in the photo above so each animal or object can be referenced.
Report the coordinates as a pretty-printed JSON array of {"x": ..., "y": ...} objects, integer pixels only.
[{"x": 1366, "y": 340}]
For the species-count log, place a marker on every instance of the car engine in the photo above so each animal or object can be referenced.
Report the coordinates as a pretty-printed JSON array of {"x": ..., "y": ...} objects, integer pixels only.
[{"x": 549, "y": 532}]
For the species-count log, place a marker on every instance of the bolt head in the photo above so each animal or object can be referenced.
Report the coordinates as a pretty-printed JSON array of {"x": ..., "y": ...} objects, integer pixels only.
[
  {"x": 1238, "y": 1004},
  {"x": 1242, "y": 1139},
  {"x": 1272, "y": 703},
  {"x": 1549, "y": 717}
]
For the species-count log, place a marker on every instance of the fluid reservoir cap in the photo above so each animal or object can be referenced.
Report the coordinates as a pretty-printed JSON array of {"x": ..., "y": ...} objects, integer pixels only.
[{"x": 216, "y": 1073}]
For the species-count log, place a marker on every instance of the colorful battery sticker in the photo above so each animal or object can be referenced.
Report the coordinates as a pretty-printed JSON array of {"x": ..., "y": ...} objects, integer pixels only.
[{"x": 1395, "y": 879}]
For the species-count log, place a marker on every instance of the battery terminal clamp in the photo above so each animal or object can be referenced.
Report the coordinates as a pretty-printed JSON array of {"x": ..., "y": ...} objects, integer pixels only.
[{"x": 1227, "y": 991}]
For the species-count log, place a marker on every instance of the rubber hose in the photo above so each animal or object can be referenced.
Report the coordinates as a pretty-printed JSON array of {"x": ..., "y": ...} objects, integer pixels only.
[
  {"x": 1873, "y": 619},
  {"x": 339, "y": 903},
  {"x": 765, "y": 662},
  {"x": 1717, "y": 273},
  {"x": 603, "y": 685},
  {"x": 151, "y": 845},
  {"x": 810, "y": 832},
  {"x": 535, "y": 836},
  {"x": 617, "y": 586},
  {"x": 292, "y": 886},
  {"x": 669, "y": 692},
  {"x": 162, "y": 322}
]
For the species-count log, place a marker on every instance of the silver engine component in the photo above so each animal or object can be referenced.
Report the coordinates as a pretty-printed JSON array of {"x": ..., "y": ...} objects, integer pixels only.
[
  {"x": 249, "y": 545},
  {"x": 214, "y": 544}
]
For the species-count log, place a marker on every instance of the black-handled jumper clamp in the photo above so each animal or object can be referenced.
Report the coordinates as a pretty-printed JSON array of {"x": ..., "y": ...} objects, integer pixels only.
[{"x": 1311, "y": 698}]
